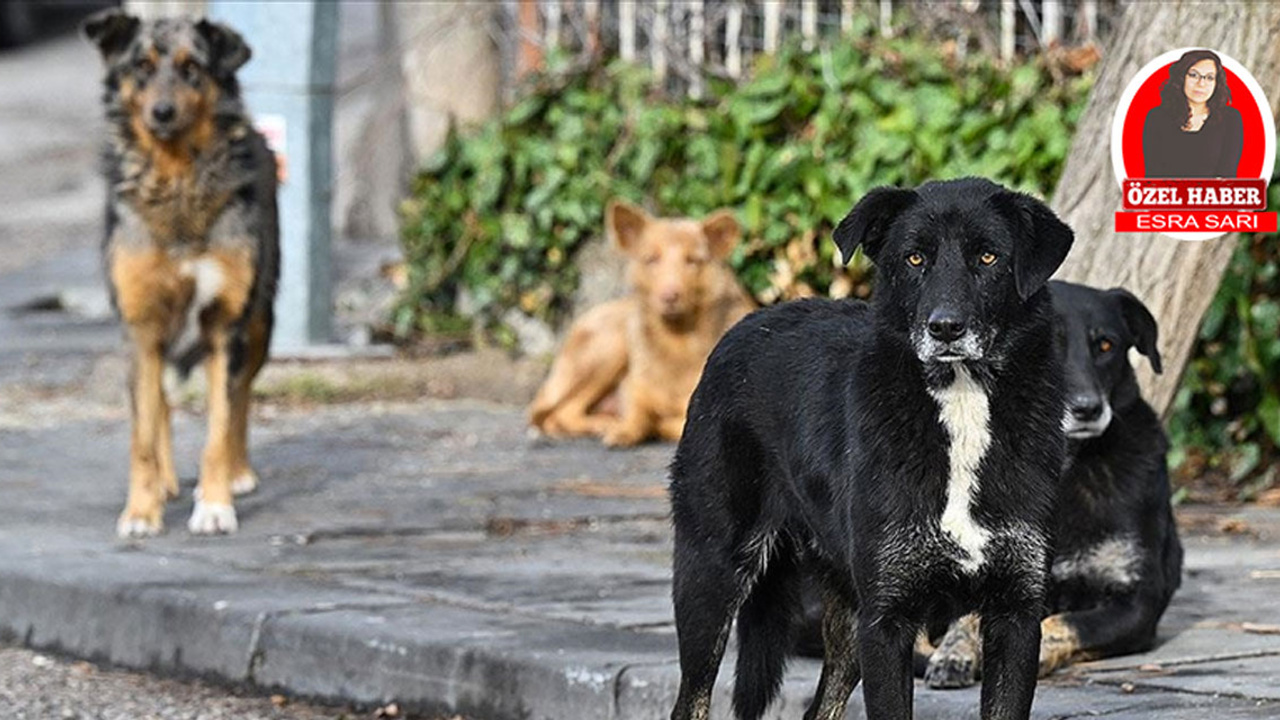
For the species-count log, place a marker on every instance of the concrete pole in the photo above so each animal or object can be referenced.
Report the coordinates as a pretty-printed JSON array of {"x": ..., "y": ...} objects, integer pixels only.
[{"x": 288, "y": 87}]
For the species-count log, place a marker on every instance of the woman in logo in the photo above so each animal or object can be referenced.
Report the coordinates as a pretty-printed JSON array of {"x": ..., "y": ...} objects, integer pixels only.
[{"x": 1194, "y": 132}]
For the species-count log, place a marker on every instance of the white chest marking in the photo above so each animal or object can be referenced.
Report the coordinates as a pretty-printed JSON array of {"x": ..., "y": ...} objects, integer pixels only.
[{"x": 964, "y": 410}]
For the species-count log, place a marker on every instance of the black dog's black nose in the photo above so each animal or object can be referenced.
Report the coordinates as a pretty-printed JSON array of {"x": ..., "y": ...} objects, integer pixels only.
[
  {"x": 946, "y": 325},
  {"x": 1086, "y": 407},
  {"x": 164, "y": 112}
]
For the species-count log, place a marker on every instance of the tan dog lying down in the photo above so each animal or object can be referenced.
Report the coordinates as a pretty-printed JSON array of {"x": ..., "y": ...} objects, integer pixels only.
[{"x": 650, "y": 346}]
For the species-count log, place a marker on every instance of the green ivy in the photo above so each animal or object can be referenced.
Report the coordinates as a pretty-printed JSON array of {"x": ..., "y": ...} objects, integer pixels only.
[{"x": 498, "y": 215}]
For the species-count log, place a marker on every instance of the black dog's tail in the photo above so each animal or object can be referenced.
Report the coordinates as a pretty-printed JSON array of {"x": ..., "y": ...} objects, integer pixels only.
[{"x": 766, "y": 633}]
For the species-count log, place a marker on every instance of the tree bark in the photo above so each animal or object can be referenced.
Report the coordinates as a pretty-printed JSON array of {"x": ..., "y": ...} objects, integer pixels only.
[{"x": 1176, "y": 279}]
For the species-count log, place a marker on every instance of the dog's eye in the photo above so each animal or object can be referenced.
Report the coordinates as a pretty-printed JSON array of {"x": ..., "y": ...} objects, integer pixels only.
[
  {"x": 987, "y": 258},
  {"x": 1104, "y": 345},
  {"x": 651, "y": 260},
  {"x": 190, "y": 72},
  {"x": 915, "y": 259},
  {"x": 144, "y": 67}
]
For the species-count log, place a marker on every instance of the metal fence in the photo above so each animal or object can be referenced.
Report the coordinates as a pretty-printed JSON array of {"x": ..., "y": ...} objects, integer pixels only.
[{"x": 687, "y": 41}]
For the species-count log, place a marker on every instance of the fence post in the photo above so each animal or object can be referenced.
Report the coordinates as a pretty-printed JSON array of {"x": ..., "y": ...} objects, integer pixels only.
[
  {"x": 289, "y": 87},
  {"x": 658, "y": 40},
  {"x": 733, "y": 40},
  {"x": 846, "y": 16},
  {"x": 1051, "y": 21},
  {"x": 697, "y": 29},
  {"x": 627, "y": 31},
  {"x": 772, "y": 25},
  {"x": 809, "y": 22},
  {"x": 1008, "y": 25},
  {"x": 886, "y": 18}
]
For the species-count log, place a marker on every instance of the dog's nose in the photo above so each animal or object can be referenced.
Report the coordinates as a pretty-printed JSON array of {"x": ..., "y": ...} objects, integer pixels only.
[
  {"x": 164, "y": 112},
  {"x": 1086, "y": 407},
  {"x": 669, "y": 297},
  {"x": 946, "y": 325}
]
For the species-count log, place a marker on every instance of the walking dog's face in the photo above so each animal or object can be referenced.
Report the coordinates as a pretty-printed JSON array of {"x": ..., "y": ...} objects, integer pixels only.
[
  {"x": 956, "y": 261},
  {"x": 672, "y": 261},
  {"x": 166, "y": 75},
  {"x": 1098, "y": 328}
]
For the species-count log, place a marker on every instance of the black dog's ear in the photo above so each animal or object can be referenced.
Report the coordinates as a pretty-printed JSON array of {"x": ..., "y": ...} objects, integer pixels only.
[
  {"x": 111, "y": 30},
  {"x": 1041, "y": 239},
  {"x": 227, "y": 50},
  {"x": 1142, "y": 325},
  {"x": 868, "y": 222}
]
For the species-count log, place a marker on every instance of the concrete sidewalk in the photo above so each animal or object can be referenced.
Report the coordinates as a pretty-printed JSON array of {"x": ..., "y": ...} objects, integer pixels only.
[{"x": 433, "y": 555}]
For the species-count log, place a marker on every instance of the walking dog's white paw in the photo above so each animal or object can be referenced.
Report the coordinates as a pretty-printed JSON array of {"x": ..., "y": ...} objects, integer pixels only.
[
  {"x": 212, "y": 519},
  {"x": 245, "y": 483},
  {"x": 136, "y": 527}
]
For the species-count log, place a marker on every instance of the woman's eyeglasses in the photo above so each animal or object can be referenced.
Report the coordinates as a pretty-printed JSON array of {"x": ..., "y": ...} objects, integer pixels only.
[{"x": 1196, "y": 77}]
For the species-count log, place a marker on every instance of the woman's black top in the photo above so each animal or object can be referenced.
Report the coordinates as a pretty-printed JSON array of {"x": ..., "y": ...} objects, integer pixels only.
[{"x": 1212, "y": 151}]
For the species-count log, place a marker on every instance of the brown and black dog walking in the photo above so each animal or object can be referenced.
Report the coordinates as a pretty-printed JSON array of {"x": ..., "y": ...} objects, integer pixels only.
[{"x": 191, "y": 249}]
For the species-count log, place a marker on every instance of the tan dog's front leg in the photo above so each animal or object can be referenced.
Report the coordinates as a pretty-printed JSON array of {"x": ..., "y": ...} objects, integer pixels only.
[
  {"x": 143, "y": 514},
  {"x": 671, "y": 428},
  {"x": 637, "y": 423}
]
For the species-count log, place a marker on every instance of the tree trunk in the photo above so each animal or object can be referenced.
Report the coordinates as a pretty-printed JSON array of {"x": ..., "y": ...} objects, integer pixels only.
[{"x": 1176, "y": 279}]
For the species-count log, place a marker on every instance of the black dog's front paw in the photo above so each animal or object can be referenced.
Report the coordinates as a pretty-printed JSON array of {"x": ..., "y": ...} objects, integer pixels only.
[{"x": 951, "y": 668}]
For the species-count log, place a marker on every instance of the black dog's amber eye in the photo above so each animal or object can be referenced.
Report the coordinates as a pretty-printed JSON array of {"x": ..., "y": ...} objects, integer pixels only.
[
  {"x": 1104, "y": 345},
  {"x": 987, "y": 258},
  {"x": 915, "y": 259}
]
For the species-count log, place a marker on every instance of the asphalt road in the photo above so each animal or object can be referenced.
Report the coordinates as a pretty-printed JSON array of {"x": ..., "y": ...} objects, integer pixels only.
[{"x": 34, "y": 686}]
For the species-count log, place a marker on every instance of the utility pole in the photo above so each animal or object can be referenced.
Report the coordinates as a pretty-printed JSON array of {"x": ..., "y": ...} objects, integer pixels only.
[{"x": 288, "y": 87}]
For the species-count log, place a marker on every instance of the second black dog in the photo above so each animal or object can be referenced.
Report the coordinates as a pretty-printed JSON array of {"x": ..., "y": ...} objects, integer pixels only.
[
  {"x": 906, "y": 453},
  {"x": 1118, "y": 560}
]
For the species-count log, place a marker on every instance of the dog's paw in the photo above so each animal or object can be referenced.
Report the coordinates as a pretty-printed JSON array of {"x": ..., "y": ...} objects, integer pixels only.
[
  {"x": 245, "y": 483},
  {"x": 951, "y": 668},
  {"x": 139, "y": 525},
  {"x": 621, "y": 437},
  {"x": 212, "y": 519}
]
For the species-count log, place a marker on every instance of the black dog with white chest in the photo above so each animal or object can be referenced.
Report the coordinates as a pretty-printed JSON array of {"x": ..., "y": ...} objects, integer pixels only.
[
  {"x": 1117, "y": 560},
  {"x": 905, "y": 453}
]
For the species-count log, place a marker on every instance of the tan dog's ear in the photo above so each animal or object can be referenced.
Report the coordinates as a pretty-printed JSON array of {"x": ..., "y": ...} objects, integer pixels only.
[
  {"x": 624, "y": 223},
  {"x": 723, "y": 233}
]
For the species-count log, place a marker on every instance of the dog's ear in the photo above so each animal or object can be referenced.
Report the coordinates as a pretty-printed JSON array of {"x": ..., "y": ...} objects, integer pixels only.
[
  {"x": 868, "y": 222},
  {"x": 624, "y": 223},
  {"x": 227, "y": 50},
  {"x": 111, "y": 30},
  {"x": 723, "y": 233},
  {"x": 1142, "y": 325},
  {"x": 1041, "y": 240}
]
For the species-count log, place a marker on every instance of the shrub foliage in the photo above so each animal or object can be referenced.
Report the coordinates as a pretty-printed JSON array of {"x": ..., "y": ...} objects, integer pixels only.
[{"x": 501, "y": 212}]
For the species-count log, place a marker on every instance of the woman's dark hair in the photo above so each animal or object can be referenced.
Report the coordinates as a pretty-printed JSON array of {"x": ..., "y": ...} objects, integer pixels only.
[{"x": 1174, "y": 105}]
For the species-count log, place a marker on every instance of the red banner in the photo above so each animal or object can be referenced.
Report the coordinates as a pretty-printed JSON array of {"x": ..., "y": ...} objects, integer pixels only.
[
  {"x": 1195, "y": 194},
  {"x": 1195, "y": 221}
]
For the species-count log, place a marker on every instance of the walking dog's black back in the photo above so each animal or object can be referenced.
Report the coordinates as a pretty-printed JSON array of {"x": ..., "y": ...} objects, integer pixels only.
[{"x": 905, "y": 453}]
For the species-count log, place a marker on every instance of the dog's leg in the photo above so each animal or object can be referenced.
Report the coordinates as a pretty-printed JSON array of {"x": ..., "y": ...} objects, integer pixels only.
[
  {"x": 213, "y": 511},
  {"x": 955, "y": 662},
  {"x": 670, "y": 428},
  {"x": 243, "y": 478},
  {"x": 1124, "y": 626},
  {"x": 840, "y": 668},
  {"x": 707, "y": 593},
  {"x": 1010, "y": 645},
  {"x": 884, "y": 645},
  {"x": 637, "y": 423},
  {"x": 766, "y": 624},
  {"x": 229, "y": 276},
  {"x": 144, "y": 511},
  {"x": 164, "y": 451},
  {"x": 590, "y": 365}
]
